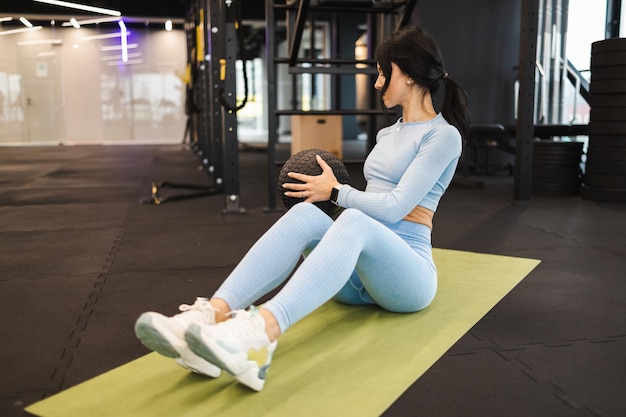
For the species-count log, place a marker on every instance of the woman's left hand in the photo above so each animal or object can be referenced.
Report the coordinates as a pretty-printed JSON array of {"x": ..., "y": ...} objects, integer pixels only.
[{"x": 314, "y": 187}]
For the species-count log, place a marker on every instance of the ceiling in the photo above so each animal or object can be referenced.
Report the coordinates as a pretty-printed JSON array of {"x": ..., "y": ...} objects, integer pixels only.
[{"x": 253, "y": 10}]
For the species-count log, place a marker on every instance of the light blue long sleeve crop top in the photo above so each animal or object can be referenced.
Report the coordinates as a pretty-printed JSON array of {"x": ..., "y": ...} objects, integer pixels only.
[{"x": 411, "y": 165}]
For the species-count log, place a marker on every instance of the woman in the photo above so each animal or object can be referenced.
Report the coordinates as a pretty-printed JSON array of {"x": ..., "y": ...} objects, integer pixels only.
[{"x": 378, "y": 251}]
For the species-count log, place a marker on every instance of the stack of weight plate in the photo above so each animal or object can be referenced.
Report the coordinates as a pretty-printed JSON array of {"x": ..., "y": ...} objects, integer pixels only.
[
  {"x": 605, "y": 170},
  {"x": 556, "y": 168}
]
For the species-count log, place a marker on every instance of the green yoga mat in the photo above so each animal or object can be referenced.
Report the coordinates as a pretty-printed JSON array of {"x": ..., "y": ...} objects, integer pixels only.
[{"x": 340, "y": 360}]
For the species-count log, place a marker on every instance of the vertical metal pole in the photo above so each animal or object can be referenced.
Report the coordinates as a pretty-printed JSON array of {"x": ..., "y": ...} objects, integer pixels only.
[
  {"x": 201, "y": 87},
  {"x": 312, "y": 76},
  {"x": 522, "y": 189},
  {"x": 272, "y": 133},
  {"x": 215, "y": 50},
  {"x": 563, "y": 10},
  {"x": 613, "y": 17},
  {"x": 557, "y": 64},
  {"x": 335, "y": 79},
  {"x": 229, "y": 115},
  {"x": 550, "y": 64},
  {"x": 544, "y": 34},
  {"x": 190, "y": 98}
]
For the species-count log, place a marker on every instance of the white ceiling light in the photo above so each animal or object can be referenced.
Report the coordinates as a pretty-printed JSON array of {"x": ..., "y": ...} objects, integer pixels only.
[
  {"x": 74, "y": 23},
  {"x": 93, "y": 21},
  {"x": 128, "y": 62},
  {"x": 10, "y": 32},
  {"x": 104, "y": 36},
  {"x": 41, "y": 42},
  {"x": 5, "y": 19},
  {"x": 81, "y": 7},
  {"x": 168, "y": 25},
  {"x": 124, "y": 40},
  {"x": 25, "y": 22},
  {"x": 117, "y": 57},
  {"x": 119, "y": 47}
]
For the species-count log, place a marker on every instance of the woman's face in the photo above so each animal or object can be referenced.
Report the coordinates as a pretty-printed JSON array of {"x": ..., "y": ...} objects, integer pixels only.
[{"x": 399, "y": 86}]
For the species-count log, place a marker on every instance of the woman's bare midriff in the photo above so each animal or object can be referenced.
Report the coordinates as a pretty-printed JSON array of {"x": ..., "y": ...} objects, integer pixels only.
[{"x": 421, "y": 215}]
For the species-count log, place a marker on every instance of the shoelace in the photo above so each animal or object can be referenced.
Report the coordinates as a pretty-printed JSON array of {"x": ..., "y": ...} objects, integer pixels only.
[
  {"x": 244, "y": 328},
  {"x": 202, "y": 305}
]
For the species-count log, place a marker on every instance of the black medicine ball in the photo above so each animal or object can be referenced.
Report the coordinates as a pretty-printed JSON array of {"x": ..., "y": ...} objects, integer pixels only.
[{"x": 304, "y": 162}]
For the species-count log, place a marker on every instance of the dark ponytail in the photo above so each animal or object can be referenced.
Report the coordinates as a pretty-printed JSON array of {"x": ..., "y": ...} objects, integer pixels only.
[
  {"x": 417, "y": 54},
  {"x": 454, "y": 108}
]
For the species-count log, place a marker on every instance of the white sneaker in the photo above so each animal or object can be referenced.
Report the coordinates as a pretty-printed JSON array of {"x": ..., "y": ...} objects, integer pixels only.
[
  {"x": 239, "y": 346},
  {"x": 166, "y": 335}
]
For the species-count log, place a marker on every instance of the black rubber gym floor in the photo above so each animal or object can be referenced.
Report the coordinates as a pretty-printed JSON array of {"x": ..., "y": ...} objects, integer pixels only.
[{"x": 81, "y": 258}]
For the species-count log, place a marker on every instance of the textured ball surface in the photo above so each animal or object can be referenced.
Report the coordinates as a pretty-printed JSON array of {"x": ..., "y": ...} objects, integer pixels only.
[{"x": 304, "y": 162}]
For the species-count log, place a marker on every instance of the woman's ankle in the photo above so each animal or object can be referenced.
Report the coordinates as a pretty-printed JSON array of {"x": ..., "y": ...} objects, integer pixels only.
[
  {"x": 221, "y": 309},
  {"x": 272, "y": 329}
]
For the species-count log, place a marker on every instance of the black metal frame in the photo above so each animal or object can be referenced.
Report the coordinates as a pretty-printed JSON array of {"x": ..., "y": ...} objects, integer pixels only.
[
  {"x": 212, "y": 121},
  {"x": 522, "y": 188},
  {"x": 538, "y": 15},
  {"x": 613, "y": 17},
  {"x": 297, "y": 12}
]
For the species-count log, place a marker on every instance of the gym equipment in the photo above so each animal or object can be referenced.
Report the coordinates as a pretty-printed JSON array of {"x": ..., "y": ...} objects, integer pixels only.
[
  {"x": 556, "y": 168},
  {"x": 605, "y": 169},
  {"x": 313, "y": 59},
  {"x": 213, "y": 29},
  {"x": 325, "y": 361},
  {"x": 304, "y": 162}
]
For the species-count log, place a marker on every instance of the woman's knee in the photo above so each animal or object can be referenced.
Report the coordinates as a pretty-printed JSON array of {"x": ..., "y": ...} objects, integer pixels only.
[
  {"x": 305, "y": 209},
  {"x": 352, "y": 216},
  {"x": 351, "y": 213},
  {"x": 307, "y": 213}
]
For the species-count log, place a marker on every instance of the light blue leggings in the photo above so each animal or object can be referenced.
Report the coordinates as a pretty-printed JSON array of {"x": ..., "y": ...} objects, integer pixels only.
[{"x": 355, "y": 259}]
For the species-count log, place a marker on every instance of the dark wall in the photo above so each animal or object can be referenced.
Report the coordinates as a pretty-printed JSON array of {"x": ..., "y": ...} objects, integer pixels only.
[{"x": 479, "y": 40}]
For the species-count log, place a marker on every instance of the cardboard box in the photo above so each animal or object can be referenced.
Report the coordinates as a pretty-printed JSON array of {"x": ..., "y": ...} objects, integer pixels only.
[{"x": 317, "y": 131}]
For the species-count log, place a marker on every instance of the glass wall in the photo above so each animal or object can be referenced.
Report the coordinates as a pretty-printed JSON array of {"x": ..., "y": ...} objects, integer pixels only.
[
  {"x": 98, "y": 84},
  {"x": 586, "y": 22},
  {"x": 622, "y": 21}
]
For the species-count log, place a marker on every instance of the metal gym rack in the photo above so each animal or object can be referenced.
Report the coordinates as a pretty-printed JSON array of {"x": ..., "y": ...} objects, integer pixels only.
[
  {"x": 381, "y": 18},
  {"x": 211, "y": 28}
]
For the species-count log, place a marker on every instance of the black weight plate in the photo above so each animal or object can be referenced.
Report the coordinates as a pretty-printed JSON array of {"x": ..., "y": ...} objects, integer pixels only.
[
  {"x": 605, "y": 167},
  {"x": 606, "y": 181},
  {"x": 555, "y": 189},
  {"x": 555, "y": 148},
  {"x": 608, "y": 86},
  {"x": 608, "y": 141},
  {"x": 607, "y": 128},
  {"x": 565, "y": 171},
  {"x": 611, "y": 114},
  {"x": 597, "y": 153},
  {"x": 557, "y": 153},
  {"x": 608, "y": 45},
  {"x": 608, "y": 100},
  {"x": 551, "y": 186},
  {"x": 608, "y": 73},
  {"x": 608, "y": 59},
  {"x": 552, "y": 166},
  {"x": 612, "y": 195},
  {"x": 563, "y": 177},
  {"x": 557, "y": 180}
]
